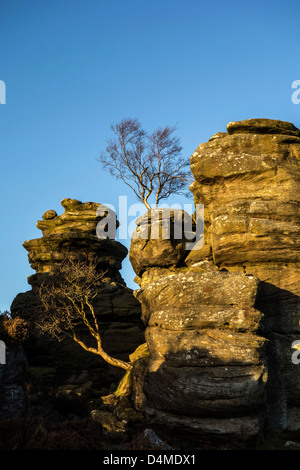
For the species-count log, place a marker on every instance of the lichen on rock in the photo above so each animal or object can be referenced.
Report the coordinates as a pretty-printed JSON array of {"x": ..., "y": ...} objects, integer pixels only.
[{"x": 221, "y": 320}]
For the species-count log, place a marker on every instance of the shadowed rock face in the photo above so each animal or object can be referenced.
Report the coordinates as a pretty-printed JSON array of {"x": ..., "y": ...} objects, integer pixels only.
[
  {"x": 221, "y": 320},
  {"x": 73, "y": 234}
]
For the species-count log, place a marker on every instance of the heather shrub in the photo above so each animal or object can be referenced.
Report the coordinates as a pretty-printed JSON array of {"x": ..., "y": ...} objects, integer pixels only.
[{"x": 13, "y": 330}]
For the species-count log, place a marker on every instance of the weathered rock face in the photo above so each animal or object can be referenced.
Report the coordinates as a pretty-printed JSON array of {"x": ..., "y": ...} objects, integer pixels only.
[
  {"x": 158, "y": 241},
  {"x": 207, "y": 361},
  {"x": 73, "y": 234},
  {"x": 208, "y": 357},
  {"x": 249, "y": 181},
  {"x": 221, "y": 320}
]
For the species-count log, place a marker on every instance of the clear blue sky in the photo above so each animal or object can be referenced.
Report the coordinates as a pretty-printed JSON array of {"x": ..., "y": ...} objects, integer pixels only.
[{"x": 73, "y": 67}]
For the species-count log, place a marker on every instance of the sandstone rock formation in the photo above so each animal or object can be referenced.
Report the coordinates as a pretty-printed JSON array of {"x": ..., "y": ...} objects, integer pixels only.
[
  {"x": 73, "y": 234},
  {"x": 221, "y": 320},
  {"x": 207, "y": 371},
  {"x": 159, "y": 242},
  {"x": 249, "y": 182}
]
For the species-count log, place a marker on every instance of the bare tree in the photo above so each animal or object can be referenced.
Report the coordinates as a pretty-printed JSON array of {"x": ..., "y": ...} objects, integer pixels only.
[
  {"x": 148, "y": 164},
  {"x": 67, "y": 298}
]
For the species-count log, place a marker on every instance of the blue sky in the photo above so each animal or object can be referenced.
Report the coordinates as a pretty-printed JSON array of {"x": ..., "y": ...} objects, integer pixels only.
[{"x": 73, "y": 67}]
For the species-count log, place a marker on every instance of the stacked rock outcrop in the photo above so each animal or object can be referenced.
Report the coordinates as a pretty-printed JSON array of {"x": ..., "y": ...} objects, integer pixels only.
[
  {"x": 221, "y": 320},
  {"x": 73, "y": 234},
  {"x": 248, "y": 178},
  {"x": 207, "y": 367}
]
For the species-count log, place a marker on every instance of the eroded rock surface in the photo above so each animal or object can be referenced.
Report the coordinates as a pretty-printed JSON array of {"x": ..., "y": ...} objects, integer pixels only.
[
  {"x": 69, "y": 235},
  {"x": 207, "y": 358},
  {"x": 249, "y": 181},
  {"x": 221, "y": 320}
]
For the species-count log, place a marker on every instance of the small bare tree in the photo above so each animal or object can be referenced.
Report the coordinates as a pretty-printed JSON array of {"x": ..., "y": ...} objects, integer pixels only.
[
  {"x": 148, "y": 164},
  {"x": 67, "y": 298}
]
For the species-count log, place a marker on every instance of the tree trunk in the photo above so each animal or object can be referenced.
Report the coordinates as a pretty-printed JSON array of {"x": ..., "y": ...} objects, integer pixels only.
[{"x": 113, "y": 361}]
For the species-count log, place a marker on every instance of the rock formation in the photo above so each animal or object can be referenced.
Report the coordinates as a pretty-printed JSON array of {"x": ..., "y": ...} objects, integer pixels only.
[
  {"x": 73, "y": 234},
  {"x": 249, "y": 182},
  {"x": 221, "y": 320},
  {"x": 207, "y": 369}
]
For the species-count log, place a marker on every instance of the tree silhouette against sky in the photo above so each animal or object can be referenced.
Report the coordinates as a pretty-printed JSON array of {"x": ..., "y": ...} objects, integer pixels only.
[{"x": 150, "y": 164}]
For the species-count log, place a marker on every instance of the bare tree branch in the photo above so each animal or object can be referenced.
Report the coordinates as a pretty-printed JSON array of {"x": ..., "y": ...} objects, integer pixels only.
[
  {"x": 148, "y": 164},
  {"x": 67, "y": 299}
]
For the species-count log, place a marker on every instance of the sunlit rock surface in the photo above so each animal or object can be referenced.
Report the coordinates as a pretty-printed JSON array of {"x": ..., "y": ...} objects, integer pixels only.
[
  {"x": 249, "y": 181},
  {"x": 221, "y": 320}
]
